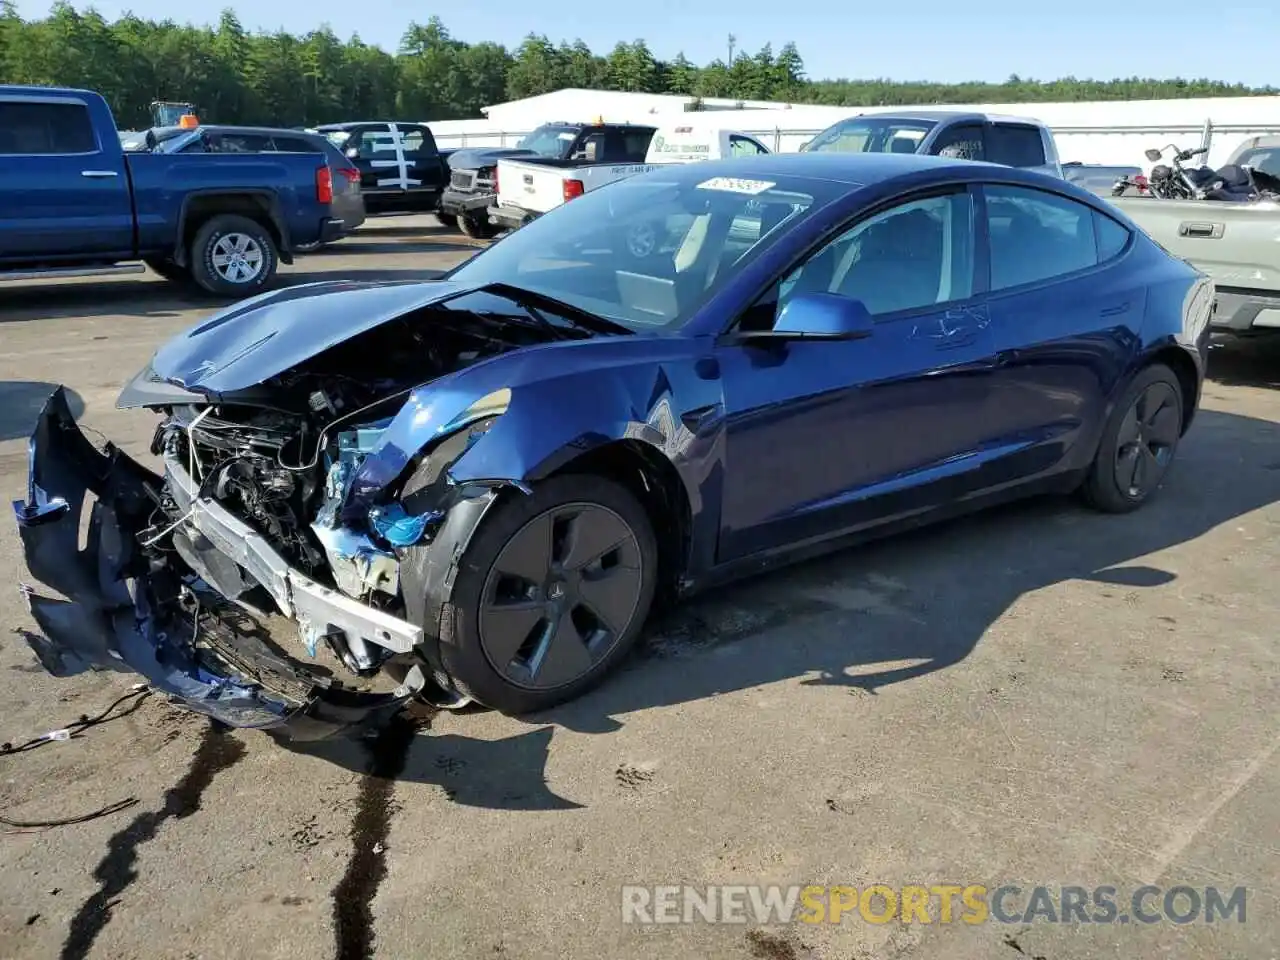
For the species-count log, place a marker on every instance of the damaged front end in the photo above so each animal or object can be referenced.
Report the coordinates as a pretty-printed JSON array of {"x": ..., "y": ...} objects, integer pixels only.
[
  {"x": 255, "y": 512},
  {"x": 132, "y": 609}
]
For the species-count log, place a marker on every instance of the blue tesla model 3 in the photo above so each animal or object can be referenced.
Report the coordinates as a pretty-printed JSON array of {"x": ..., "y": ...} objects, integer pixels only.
[{"x": 482, "y": 484}]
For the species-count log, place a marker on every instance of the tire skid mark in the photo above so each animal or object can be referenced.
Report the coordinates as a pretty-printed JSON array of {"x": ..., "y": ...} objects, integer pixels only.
[
  {"x": 216, "y": 752},
  {"x": 354, "y": 894}
]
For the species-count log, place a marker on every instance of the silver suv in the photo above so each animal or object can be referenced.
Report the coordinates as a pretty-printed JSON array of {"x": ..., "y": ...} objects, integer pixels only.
[{"x": 1012, "y": 141}]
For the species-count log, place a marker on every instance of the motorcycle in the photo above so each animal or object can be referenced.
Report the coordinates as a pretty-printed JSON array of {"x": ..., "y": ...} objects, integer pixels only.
[{"x": 1230, "y": 184}]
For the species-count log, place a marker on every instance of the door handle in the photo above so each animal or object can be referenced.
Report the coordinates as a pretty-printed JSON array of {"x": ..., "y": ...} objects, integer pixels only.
[{"x": 98, "y": 174}]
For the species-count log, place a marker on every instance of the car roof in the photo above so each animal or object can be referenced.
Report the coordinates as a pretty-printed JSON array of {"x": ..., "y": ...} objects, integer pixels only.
[
  {"x": 940, "y": 115},
  {"x": 860, "y": 169}
]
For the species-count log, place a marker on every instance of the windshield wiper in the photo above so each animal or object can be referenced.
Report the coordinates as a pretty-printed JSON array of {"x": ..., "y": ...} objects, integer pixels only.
[{"x": 532, "y": 300}]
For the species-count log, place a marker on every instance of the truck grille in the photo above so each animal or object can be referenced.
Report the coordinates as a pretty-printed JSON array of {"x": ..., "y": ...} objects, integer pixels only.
[{"x": 462, "y": 179}]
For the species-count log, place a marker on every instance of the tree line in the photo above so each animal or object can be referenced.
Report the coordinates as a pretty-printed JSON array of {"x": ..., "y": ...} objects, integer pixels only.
[{"x": 238, "y": 76}]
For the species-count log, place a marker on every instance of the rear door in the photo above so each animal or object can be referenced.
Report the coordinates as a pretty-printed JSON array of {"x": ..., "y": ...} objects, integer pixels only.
[
  {"x": 424, "y": 168},
  {"x": 63, "y": 192},
  {"x": 1065, "y": 314}
]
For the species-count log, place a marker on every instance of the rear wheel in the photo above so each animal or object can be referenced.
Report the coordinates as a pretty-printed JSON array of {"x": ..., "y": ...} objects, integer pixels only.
[
  {"x": 475, "y": 228},
  {"x": 551, "y": 594},
  {"x": 1138, "y": 443},
  {"x": 233, "y": 256}
]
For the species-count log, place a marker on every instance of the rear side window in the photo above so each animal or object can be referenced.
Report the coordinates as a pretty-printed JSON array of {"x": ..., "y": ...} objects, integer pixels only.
[
  {"x": 963, "y": 142},
  {"x": 627, "y": 146},
  {"x": 28, "y": 129},
  {"x": 240, "y": 143},
  {"x": 1112, "y": 237},
  {"x": 1015, "y": 145},
  {"x": 294, "y": 145},
  {"x": 418, "y": 141},
  {"x": 1036, "y": 236}
]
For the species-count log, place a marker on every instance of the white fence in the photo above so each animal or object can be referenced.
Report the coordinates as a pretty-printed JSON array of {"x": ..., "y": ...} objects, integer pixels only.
[{"x": 1111, "y": 145}]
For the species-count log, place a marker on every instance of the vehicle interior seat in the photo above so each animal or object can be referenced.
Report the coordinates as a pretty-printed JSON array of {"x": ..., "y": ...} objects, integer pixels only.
[{"x": 899, "y": 264}]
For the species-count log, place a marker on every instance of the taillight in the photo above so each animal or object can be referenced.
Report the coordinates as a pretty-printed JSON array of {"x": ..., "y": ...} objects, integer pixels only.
[
  {"x": 573, "y": 188},
  {"x": 351, "y": 174},
  {"x": 1141, "y": 182},
  {"x": 324, "y": 185}
]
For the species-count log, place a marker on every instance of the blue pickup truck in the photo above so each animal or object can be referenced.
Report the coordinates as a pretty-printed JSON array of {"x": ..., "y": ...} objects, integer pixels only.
[{"x": 73, "y": 203}]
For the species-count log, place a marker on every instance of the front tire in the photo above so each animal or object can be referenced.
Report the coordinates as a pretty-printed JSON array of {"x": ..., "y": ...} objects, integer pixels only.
[
  {"x": 551, "y": 595},
  {"x": 475, "y": 228},
  {"x": 233, "y": 256},
  {"x": 449, "y": 220},
  {"x": 1138, "y": 442}
]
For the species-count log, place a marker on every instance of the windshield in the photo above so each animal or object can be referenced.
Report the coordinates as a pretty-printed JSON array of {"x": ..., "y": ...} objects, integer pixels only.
[
  {"x": 872, "y": 135},
  {"x": 550, "y": 140},
  {"x": 647, "y": 252}
]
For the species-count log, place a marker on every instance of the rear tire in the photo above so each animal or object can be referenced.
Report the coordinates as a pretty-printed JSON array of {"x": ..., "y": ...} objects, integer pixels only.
[
  {"x": 233, "y": 256},
  {"x": 575, "y": 616},
  {"x": 449, "y": 220},
  {"x": 475, "y": 228},
  {"x": 1138, "y": 442}
]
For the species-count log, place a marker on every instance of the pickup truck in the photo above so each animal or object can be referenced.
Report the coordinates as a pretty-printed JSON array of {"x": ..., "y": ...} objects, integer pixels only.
[
  {"x": 537, "y": 189},
  {"x": 73, "y": 203},
  {"x": 595, "y": 154},
  {"x": 1234, "y": 243},
  {"x": 995, "y": 138},
  {"x": 401, "y": 168}
]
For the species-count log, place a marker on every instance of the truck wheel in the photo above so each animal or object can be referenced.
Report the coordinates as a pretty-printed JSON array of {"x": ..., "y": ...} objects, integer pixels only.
[
  {"x": 169, "y": 270},
  {"x": 475, "y": 228},
  {"x": 449, "y": 220},
  {"x": 233, "y": 256}
]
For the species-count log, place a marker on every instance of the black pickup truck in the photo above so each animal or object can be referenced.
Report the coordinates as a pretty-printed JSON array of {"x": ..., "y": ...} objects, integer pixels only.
[
  {"x": 401, "y": 168},
  {"x": 472, "y": 187}
]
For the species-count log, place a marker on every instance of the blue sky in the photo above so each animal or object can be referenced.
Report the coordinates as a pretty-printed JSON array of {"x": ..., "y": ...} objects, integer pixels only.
[{"x": 922, "y": 39}]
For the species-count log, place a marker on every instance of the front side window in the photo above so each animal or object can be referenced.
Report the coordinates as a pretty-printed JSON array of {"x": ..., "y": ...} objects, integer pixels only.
[
  {"x": 914, "y": 255},
  {"x": 29, "y": 129},
  {"x": 744, "y": 147},
  {"x": 649, "y": 251},
  {"x": 964, "y": 141},
  {"x": 1036, "y": 235}
]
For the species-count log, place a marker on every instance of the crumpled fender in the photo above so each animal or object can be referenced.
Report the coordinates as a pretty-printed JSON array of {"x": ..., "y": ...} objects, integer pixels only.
[{"x": 668, "y": 397}]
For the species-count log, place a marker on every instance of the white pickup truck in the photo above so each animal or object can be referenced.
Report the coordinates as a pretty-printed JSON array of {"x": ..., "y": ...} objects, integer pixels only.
[{"x": 528, "y": 188}]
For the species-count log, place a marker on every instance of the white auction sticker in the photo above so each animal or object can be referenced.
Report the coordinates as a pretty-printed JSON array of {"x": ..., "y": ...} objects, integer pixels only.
[{"x": 735, "y": 185}]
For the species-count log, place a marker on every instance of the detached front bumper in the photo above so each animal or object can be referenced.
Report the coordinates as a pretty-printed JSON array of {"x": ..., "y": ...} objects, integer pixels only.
[{"x": 153, "y": 614}]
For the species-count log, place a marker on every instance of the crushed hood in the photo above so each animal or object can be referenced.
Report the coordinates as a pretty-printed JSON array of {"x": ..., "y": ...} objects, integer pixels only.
[{"x": 242, "y": 346}]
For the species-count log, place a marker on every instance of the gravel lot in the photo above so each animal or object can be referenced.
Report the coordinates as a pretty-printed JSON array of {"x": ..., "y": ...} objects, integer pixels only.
[{"x": 1035, "y": 695}]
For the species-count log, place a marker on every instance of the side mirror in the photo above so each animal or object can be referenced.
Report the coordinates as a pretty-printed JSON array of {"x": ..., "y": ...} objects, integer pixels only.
[
  {"x": 1153, "y": 155},
  {"x": 352, "y": 153},
  {"x": 819, "y": 316},
  {"x": 151, "y": 141}
]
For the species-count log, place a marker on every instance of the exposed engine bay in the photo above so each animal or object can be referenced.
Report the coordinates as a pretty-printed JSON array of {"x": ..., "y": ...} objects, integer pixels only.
[{"x": 282, "y": 459}]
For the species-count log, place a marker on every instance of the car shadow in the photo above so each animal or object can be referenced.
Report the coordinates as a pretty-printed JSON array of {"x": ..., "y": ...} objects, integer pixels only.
[
  {"x": 348, "y": 248},
  {"x": 850, "y": 620},
  {"x": 156, "y": 299},
  {"x": 926, "y": 598},
  {"x": 1251, "y": 362},
  {"x": 21, "y": 402}
]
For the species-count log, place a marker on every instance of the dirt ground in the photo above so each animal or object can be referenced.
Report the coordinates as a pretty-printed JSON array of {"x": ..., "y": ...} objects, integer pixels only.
[{"x": 1039, "y": 695}]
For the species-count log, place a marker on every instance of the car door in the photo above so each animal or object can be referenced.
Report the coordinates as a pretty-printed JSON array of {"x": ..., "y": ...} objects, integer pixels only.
[
  {"x": 1065, "y": 314},
  {"x": 426, "y": 171},
  {"x": 825, "y": 437},
  {"x": 62, "y": 192}
]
